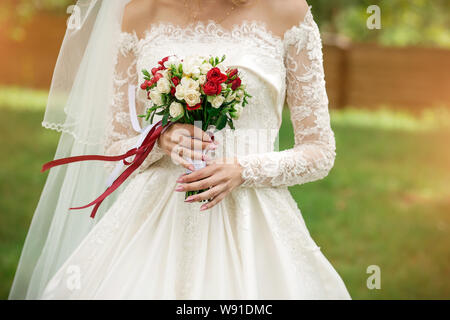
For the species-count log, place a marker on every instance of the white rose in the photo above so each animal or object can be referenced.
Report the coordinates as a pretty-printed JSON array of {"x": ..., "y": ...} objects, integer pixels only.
[
  {"x": 217, "y": 101},
  {"x": 191, "y": 66},
  {"x": 223, "y": 85},
  {"x": 191, "y": 70},
  {"x": 231, "y": 97},
  {"x": 202, "y": 79},
  {"x": 176, "y": 109},
  {"x": 240, "y": 93},
  {"x": 192, "y": 97},
  {"x": 179, "y": 92},
  {"x": 165, "y": 73},
  {"x": 205, "y": 67},
  {"x": 155, "y": 96},
  {"x": 189, "y": 84},
  {"x": 163, "y": 85},
  {"x": 236, "y": 114}
]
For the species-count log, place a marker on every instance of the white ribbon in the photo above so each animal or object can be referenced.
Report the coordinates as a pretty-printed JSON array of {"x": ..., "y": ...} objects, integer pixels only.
[
  {"x": 198, "y": 164},
  {"x": 132, "y": 108},
  {"x": 136, "y": 126}
]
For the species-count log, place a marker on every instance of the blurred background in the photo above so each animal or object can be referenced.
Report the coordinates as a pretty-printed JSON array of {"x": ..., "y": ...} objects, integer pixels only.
[{"x": 387, "y": 200}]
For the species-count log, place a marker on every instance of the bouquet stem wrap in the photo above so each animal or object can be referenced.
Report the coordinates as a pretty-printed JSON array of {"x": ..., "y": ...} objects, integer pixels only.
[{"x": 139, "y": 153}]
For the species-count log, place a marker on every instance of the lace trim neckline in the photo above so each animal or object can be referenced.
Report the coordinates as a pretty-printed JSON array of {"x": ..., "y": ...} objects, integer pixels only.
[{"x": 212, "y": 27}]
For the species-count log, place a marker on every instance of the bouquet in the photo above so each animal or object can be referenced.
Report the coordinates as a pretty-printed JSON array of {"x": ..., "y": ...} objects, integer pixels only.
[{"x": 195, "y": 90}]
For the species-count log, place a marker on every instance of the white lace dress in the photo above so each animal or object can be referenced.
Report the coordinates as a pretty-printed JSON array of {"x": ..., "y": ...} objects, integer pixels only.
[{"x": 254, "y": 244}]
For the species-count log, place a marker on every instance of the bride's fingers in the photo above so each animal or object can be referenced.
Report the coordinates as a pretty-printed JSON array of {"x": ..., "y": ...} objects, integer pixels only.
[
  {"x": 213, "y": 202},
  {"x": 182, "y": 162},
  {"x": 188, "y": 153},
  {"x": 197, "y": 185},
  {"x": 195, "y": 144},
  {"x": 199, "y": 134},
  {"x": 208, "y": 194},
  {"x": 192, "y": 131},
  {"x": 197, "y": 175}
]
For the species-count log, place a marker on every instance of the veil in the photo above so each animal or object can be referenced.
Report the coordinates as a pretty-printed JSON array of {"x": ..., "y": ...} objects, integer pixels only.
[{"x": 80, "y": 94}]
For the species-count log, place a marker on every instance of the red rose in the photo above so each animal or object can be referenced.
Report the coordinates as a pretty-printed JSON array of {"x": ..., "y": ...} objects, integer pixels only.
[
  {"x": 231, "y": 73},
  {"x": 194, "y": 107},
  {"x": 146, "y": 84},
  {"x": 157, "y": 77},
  {"x": 161, "y": 63},
  {"x": 212, "y": 88},
  {"x": 175, "y": 81},
  {"x": 236, "y": 83},
  {"x": 154, "y": 70},
  {"x": 216, "y": 76}
]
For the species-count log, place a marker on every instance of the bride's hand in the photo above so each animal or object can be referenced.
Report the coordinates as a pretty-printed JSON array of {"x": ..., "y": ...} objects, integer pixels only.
[
  {"x": 221, "y": 177},
  {"x": 180, "y": 142}
]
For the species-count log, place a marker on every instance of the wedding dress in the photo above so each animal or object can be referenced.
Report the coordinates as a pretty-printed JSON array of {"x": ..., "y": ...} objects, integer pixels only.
[{"x": 254, "y": 244}]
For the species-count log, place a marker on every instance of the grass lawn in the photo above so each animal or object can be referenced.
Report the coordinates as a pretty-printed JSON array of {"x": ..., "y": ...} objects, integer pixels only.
[{"x": 385, "y": 203}]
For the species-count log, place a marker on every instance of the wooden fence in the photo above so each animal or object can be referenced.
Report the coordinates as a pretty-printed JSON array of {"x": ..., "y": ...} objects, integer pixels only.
[{"x": 358, "y": 75}]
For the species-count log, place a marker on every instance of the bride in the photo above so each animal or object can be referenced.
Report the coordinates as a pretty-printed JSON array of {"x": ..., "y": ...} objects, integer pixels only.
[{"x": 249, "y": 241}]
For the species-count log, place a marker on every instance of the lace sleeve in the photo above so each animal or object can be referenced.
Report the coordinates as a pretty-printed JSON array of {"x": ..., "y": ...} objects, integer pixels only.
[
  {"x": 121, "y": 136},
  {"x": 312, "y": 156}
]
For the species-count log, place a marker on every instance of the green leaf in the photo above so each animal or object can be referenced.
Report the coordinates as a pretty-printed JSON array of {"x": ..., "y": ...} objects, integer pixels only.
[
  {"x": 177, "y": 118},
  {"x": 146, "y": 73},
  {"x": 221, "y": 122},
  {"x": 165, "y": 119},
  {"x": 153, "y": 115},
  {"x": 213, "y": 111},
  {"x": 230, "y": 123},
  {"x": 188, "y": 116}
]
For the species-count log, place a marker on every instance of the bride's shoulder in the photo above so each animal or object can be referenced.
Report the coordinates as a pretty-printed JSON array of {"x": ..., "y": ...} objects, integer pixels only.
[
  {"x": 136, "y": 14},
  {"x": 284, "y": 14}
]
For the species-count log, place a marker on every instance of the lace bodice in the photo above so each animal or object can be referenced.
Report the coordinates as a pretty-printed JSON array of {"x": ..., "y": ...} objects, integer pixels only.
[{"x": 272, "y": 68}]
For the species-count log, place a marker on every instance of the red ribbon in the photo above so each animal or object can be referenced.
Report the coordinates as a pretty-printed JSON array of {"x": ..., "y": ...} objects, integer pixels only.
[{"x": 140, "y": 154}]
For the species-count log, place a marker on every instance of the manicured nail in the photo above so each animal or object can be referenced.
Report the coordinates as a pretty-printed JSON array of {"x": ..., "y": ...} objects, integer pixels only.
[
  {"x": 179, "y": 188},
  {"x": 191, "y": 167},
  {"x": 189, "y": 199},
  {"x": 180, "y": 179},
  {"x": 204, "y": 207},
  {"x": 205, "y": 157}
]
